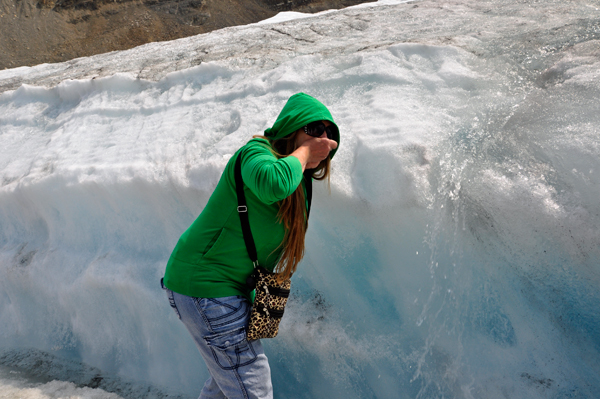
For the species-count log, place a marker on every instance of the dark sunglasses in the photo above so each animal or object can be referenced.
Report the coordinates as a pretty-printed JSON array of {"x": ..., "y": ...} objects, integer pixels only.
[{"x": 316, "y": 129}]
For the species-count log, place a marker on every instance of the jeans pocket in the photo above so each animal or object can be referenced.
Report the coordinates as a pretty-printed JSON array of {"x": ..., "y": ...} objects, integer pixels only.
[
  {"x": 224, "y": 314},
  {"x": 231, "y": 350},
  {"x": 172, "y": 302}
]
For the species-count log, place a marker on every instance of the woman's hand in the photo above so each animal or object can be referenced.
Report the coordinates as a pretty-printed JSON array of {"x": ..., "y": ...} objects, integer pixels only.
[{"x": 313, "y": 150}]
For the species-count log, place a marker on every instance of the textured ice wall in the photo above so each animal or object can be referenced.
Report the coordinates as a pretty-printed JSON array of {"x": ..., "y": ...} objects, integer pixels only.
[{"x": 455, "y": 256}]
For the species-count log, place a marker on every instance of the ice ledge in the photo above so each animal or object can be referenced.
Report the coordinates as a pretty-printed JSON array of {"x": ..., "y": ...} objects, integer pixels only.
[{"x": 346, "y": 31}]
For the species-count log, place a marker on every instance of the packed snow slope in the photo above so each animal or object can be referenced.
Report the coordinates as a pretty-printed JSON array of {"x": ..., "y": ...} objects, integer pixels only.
[{"x": 455, "y": 254}]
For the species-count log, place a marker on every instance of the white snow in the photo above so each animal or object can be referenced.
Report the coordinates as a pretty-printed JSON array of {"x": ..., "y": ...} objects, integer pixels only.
[
  {"x": 52, "y": 390},
  {"x": 286, "y": 16}
]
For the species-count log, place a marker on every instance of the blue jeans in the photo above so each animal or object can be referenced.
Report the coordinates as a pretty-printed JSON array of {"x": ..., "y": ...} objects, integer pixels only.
[{"x": 238, "y": 368}]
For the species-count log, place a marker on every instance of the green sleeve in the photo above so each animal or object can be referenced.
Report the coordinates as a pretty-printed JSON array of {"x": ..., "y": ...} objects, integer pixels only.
[{"x": 269, "y": 178}]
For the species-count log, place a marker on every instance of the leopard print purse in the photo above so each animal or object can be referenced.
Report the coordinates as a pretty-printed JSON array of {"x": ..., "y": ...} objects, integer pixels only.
[
  {"x": 269, "y": 304},
  {"x": 271, "y": 296}
]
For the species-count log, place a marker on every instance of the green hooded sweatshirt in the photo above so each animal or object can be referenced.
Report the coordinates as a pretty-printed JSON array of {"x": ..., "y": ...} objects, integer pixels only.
[{"x": 210, "y": 259}]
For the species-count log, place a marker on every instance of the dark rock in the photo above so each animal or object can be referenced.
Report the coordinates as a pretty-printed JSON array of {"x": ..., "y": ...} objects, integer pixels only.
[{"x": 80, "y": 28}]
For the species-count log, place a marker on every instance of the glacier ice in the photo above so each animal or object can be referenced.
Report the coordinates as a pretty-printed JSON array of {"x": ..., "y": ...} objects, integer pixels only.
[{"x": 455, "y": 253}]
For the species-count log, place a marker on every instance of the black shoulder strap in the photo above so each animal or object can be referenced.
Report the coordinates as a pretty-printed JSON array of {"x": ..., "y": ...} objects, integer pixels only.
[
  {"x": 243, "y": 208},
  {"x": 308, "y": 186},
  {"x": 243, "y": 211}
]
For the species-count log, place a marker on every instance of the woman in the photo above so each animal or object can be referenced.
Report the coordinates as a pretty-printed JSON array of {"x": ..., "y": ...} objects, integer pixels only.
[{"x": 206, "y": 274}]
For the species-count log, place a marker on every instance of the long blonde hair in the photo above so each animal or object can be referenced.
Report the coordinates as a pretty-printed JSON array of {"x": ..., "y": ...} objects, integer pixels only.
[{"x": 292, "y": 210}]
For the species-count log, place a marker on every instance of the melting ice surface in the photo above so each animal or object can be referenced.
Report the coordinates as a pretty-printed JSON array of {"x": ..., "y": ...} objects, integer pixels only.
[
  {"x": 14, "y": 385},
  {"x": 455, "y": 255}
]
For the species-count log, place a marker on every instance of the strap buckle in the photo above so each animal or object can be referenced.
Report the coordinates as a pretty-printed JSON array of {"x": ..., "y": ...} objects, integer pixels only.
[{"x": 242, "y": 208}]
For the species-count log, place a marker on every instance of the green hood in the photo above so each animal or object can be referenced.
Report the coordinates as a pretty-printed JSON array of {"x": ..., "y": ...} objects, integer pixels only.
[{"x": 300, "y": 110}]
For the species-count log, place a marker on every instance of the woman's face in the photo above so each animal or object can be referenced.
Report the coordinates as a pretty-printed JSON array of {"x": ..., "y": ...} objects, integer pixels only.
[{"x": 301, "y": 137}]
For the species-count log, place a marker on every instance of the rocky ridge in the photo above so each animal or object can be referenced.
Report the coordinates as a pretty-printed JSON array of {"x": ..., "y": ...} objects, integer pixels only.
[{"x": 44, "y": 31}]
